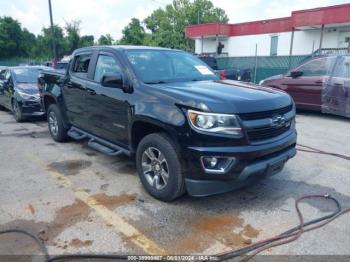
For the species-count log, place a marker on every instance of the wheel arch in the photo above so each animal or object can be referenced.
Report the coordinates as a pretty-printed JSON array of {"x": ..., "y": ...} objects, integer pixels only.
[{"x": 143, "y": 126}]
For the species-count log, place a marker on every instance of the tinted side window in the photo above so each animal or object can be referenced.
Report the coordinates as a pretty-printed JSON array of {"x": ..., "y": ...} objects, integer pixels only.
[
  {"x": 106, "y": 65},
  {"x": 343, "y": 68},
  {"x": 318, "y": 67},
  {"x": 81, "y": 64}
]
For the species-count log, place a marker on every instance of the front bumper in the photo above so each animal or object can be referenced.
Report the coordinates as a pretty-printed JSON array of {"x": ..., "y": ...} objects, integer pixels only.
[
  {"x": 31, "y": 108},
  {"x": 253, "y": 163}
]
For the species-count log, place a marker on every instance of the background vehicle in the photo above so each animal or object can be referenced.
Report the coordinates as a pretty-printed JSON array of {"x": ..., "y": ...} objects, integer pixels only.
[
  {"x": 231, "y": 73},
  {"x": 19, "y": 92},
  {"x": 187, "y": 129},
  {"x": 322, "y": 84}
]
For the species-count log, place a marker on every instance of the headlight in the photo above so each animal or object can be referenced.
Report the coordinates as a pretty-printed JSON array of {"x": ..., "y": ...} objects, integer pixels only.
[
  {"x": 28, "y": 96},
  {"x": 215, "y": 123}
]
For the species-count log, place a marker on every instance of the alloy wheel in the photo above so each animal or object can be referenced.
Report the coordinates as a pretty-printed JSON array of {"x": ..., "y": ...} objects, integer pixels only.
[
  {"x": 155, "y": 168},
  {"x": 53, "y": 124}
]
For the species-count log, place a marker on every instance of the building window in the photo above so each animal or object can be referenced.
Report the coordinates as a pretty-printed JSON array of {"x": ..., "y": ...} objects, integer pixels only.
[{"x": 274, "y": 45}]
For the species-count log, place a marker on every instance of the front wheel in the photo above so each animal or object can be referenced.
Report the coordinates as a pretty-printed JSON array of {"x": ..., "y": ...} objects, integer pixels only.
[
  {"x": 17, "y": 111},
  {"x": 159, "y": 167},
  {"x": 55, "y": 123}
]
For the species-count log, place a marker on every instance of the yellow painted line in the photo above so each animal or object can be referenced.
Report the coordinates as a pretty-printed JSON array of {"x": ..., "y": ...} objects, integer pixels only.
[{"x": 117, "y": 222}]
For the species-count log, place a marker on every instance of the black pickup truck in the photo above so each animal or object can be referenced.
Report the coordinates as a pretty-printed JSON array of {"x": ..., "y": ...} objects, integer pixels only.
[{"x": 188, "y": 130}]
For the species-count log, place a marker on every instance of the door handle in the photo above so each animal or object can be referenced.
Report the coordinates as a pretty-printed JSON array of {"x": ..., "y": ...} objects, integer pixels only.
[
  {"x": 319, "y": 82},
  {"x": 90, "y": 91},
  {"x": 69, "y": 85}
]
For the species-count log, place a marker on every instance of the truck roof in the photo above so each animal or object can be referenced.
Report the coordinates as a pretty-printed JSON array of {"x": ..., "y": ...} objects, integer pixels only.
[{"x": 125, "y": 47}]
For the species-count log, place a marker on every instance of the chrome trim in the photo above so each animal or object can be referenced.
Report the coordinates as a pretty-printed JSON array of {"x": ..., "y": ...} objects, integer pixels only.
[{"x": 230, "y": 163}]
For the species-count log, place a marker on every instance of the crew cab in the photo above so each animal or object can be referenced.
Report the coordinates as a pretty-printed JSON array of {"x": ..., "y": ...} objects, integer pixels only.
[{"x": 188, "y": 130}]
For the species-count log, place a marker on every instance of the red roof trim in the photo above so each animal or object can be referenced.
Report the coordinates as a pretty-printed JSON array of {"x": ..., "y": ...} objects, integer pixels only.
[{"x": 309, "y": 17}]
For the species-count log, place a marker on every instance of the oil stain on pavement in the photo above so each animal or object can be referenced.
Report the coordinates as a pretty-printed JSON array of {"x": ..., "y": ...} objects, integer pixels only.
[
  {"x": 69, "y": 167},
  {"x": 48, "y": 232},
  {"x": 226, "y": 228}
]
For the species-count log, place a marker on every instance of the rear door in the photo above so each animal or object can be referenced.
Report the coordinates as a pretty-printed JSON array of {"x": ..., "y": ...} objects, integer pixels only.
[
  {"x": 306, "y": 90},
  {"x": 107, "y": 107},
  {"x": 74, "y": 90},
  {"x": 336, "y": 95}
]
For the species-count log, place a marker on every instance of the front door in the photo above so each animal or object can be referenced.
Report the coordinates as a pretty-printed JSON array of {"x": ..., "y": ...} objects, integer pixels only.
[
  {"x": 108, "y": 109},
  {"x": 306, "y": 89}
]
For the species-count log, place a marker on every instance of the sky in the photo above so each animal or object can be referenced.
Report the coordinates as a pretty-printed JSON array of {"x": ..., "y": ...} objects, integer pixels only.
[{"x": 111, "y": 16}]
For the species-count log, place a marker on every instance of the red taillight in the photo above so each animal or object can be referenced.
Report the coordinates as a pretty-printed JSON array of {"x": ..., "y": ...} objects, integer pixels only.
[{"x": 222, "y": 75}]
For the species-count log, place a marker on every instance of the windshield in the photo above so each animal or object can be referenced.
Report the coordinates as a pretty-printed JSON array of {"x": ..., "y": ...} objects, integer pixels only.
[
  {"x": 26, "y": 75},
  {"x": 160, "y": 66}
]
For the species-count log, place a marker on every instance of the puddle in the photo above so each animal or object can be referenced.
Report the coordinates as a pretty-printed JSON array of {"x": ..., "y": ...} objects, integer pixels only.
[
  {"x": 227, "y": 229},
  {"x": 69, "y": 167},
  {"x": 104, "y": 187},
  {"x": 129, "y": 169}
]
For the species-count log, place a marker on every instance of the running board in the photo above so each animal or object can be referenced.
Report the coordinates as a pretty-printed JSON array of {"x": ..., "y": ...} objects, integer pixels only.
[
  {"x": 98, "y": 146},
  {"x": 76, "y": 134},
  {"x": 97, "y": 143}
]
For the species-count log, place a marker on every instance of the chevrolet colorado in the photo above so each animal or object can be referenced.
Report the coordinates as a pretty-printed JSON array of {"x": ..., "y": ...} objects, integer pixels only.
[{"x": 188, "y": 130}]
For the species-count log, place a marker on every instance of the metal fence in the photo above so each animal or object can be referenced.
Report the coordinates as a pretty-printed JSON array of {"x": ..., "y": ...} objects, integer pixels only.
[{"x": 262, "y": 66}]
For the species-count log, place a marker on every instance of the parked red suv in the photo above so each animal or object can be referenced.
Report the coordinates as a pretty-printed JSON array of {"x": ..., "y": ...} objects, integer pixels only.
[{"x": 321, "y": 84}]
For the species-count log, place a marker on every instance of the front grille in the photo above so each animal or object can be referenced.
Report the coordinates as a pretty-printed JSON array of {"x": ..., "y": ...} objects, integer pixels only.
[
  {"x": 265, "y": 114},
  {"x": 258, "y": 134}
]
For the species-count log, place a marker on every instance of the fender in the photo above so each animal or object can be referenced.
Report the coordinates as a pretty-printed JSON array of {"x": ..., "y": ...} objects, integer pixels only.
[{"x": 173, "y": 131}]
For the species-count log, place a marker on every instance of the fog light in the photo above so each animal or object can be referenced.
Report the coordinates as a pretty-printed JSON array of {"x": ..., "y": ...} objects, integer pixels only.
[
  {"x": 213, "y": 162},
  {"x": 217, "y": 165}
]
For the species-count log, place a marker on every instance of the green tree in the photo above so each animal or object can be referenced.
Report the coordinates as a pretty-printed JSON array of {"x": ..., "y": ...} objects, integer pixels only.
[
  {"x": 105, "y": 40},
  {"x": 168, "y": 25},
  {"x": 87, "y": 40},
  {"x": 73, "y": 35},
  {"x": 133, "y": 33},
  {"x": 28, "y": 43},
  {"x": 10, "y": 37},
  {"x": 43, "y": 49}
]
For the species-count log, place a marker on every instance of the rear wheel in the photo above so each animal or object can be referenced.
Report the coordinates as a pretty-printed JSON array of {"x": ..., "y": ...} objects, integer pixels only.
[
  {"x": 17, "y": 111},
  {"x": 55, "y": 123},
  {"x": 159, "y": 167}
]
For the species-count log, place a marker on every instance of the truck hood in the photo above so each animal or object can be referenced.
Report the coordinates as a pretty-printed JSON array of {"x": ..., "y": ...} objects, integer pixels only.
[{"x": 226, "y": 96}]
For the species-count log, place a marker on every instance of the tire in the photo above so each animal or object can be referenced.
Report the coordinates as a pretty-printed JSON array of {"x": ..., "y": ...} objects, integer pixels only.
[
  {"x": 165, "y": 188},
  {"x": 55, "y": 123},
  {"x": 17, "y": 111}
]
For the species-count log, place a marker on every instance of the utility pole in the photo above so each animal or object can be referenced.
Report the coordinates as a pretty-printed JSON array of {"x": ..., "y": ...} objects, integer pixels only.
[{"x": 54, "y": 51}]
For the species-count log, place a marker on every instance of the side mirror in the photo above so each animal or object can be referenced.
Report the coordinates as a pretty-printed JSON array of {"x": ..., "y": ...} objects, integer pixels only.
[
  {"x": 112, "y": 80},
  {"x": 296, "y": 74}
]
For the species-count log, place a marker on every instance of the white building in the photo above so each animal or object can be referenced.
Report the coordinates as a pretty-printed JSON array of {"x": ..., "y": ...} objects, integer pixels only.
[{"x": 302, "y": 33}]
